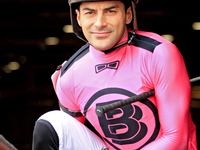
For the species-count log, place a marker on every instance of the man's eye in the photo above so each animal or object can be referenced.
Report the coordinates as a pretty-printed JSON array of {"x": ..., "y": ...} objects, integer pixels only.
[
  {"x": 89, "y": 13},
  {"x": 111, "y": 11}
]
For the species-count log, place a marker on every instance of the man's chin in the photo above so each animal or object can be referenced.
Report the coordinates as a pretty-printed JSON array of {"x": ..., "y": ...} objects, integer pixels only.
[{"x": 102, "y": 48}]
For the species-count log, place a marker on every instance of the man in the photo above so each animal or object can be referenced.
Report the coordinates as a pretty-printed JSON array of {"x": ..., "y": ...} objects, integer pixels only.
[{"x": 118, "y": 62}]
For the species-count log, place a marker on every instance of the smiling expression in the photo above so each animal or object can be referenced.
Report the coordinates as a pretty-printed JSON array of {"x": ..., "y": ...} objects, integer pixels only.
[{"x": 103, "y": 23}]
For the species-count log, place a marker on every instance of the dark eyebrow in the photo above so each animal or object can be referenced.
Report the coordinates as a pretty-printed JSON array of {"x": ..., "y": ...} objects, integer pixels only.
[
  {"x": 89, "y": 9},
  {"x": 111, "y": 7},
  {"x": 108, "y": 8}
]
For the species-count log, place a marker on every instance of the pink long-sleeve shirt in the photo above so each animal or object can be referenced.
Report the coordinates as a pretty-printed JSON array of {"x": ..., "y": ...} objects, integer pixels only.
[{"x": 162, "y": 122}]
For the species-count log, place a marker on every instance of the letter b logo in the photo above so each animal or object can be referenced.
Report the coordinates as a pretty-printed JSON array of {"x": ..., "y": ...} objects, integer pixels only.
[{"x": 122, "y": 125}]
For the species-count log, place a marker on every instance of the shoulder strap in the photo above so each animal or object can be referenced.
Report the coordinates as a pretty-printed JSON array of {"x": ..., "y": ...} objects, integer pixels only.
[
  {"x": 145, "y": 42},
  {"x": 79, "y": 54}
]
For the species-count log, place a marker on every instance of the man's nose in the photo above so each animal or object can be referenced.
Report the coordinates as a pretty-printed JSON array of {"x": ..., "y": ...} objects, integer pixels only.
[{"x": 100, "y": 21}]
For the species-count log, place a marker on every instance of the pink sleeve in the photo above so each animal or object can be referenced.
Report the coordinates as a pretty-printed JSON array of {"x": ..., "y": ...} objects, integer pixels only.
[
  {"x": 172, "y": 92},
  {"x": 64, "y": 99},
  {"x": 55, "y": 76}
]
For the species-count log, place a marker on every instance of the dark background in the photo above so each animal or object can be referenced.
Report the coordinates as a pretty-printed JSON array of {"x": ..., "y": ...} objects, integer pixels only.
[{"x": 27, "y": 93}]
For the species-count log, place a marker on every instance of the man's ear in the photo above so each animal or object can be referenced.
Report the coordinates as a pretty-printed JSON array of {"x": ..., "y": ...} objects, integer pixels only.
[
  {"x": 129, "y": 16},
  {"x": 78, "y": 17}
]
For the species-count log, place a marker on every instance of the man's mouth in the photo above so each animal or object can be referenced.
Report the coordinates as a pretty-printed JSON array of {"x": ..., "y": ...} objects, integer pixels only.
[{"x": 101, "y": 34}]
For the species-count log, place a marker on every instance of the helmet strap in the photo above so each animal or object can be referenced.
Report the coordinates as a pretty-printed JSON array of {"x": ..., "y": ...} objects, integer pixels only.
[{"x": 131, "y": 36}]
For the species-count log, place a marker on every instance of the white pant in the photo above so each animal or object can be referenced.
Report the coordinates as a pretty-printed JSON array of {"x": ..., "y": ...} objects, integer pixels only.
[{"x": 72, "y": 134}]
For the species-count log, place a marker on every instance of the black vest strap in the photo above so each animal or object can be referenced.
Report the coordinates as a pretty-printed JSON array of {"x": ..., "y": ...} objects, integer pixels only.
[
  {"x": 79, "y": 54},
  {"x": 71, "y": 113}
]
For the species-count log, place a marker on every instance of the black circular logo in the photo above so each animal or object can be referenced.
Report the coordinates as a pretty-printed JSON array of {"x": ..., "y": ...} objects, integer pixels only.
[{"x": 135, "y": 124}]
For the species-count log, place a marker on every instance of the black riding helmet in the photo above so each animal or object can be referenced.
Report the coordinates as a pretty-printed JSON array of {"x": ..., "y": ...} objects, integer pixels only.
[{"x": 77, "y": 29}]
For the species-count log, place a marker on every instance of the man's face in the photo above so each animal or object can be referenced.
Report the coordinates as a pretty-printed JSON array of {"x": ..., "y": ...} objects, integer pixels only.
[{"x": 103, "y": 23}]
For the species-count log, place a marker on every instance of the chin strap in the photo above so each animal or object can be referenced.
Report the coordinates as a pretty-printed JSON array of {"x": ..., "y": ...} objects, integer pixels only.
[
  {"x": 122, "y": 44},
  {"x": 131, "y": 36}
]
